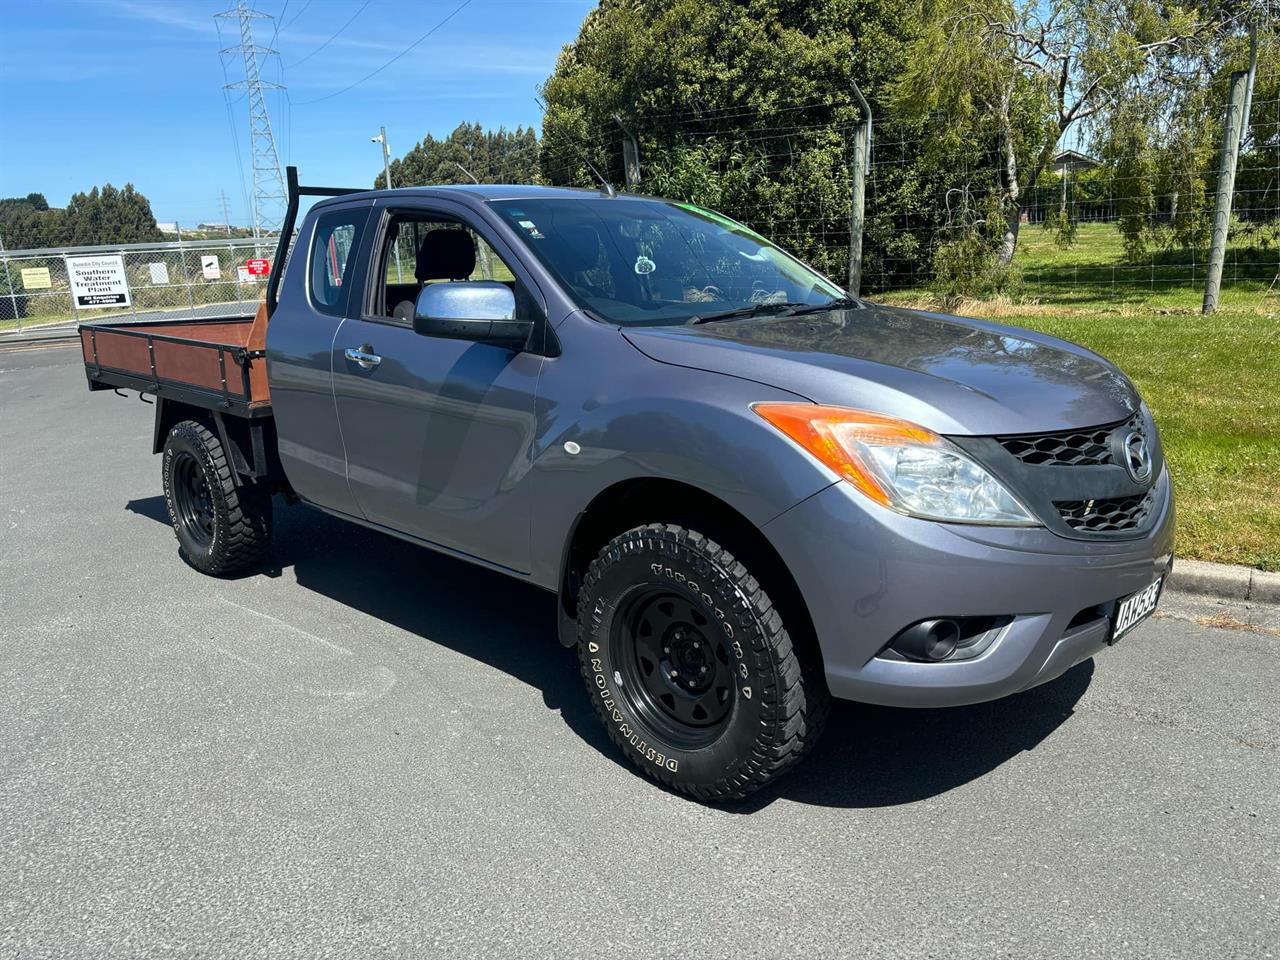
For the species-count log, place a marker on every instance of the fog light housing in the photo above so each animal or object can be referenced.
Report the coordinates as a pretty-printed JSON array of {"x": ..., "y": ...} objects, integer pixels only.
[
  {"x": 945, "y": 639},
  {"x": 928, "y": 640}
]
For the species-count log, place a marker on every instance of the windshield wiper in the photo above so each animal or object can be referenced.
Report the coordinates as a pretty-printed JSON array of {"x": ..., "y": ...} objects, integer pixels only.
[
  {"x": 787, "y": 309},
  {"x": 752, "y": 311},
  {"x": 840, "y": 303}
]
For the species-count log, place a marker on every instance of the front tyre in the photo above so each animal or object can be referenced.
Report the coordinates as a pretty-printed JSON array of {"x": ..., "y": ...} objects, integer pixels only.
[
  {"x": 222, "y": 528},
  {"x": 690, "y": 667}
]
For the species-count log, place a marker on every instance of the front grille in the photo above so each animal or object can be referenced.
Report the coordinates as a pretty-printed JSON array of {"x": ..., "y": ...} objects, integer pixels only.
[
  {"x": 1105, "y": 516},
  {"x": 1073, "y": 448}
]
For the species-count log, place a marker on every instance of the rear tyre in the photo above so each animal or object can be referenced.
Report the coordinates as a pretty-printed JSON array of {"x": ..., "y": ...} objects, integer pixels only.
[
  {"x": 690, "y": 667},
  {"x": 221, "y": 528}
]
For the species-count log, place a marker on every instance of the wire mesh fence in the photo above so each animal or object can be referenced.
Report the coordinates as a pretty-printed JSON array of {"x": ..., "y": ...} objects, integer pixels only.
[
  {"x": 1110, "y": 224},
  {"x": 1119, "y": 227},
  {"x": 1115, "y": 227},
  {"x": 52, "y": 288}
]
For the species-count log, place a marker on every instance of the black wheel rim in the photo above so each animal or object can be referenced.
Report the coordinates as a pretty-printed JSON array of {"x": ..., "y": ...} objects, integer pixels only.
[
  {"x": 676, "y": 667},
  {"x": 192, "y": 499}
]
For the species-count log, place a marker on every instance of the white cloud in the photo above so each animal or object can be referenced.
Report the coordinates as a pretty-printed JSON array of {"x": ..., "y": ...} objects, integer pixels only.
[{"x": 160, "y": 13}]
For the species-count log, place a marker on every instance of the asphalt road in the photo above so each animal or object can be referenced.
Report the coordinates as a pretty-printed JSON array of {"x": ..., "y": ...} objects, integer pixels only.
[{"x": 373, "y": 751}]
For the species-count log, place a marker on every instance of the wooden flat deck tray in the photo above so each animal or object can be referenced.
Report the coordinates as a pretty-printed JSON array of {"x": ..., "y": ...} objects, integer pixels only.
[{"x": 217, "y": 362}]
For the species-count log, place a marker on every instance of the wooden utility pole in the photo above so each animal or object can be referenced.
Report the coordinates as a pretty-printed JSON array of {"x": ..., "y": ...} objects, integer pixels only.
[
  {"x": 858, "y": 205},
  {"x": 630, "y": 154},
  {"x": 1232, "y": 128}
]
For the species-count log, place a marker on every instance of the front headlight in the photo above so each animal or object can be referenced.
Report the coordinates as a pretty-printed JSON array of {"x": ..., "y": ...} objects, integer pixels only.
[{"x": 899, "y": 464}]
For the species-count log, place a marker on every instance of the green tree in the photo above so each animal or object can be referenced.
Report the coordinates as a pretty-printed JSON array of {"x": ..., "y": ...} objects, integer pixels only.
[
  {"x": 109, "y": 215},
  {"x": 1257, "y": 183},
  {"x": 491, "y": 156},
  {"x": 27, "y": 222},
  {"x": 103, "y": 215},
  {"x": 1022, "y": 73},
  {"x": 744, "y": 106}
]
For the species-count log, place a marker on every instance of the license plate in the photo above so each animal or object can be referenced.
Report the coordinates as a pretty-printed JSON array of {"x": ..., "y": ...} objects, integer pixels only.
[{"x": 1133, "y": 609}]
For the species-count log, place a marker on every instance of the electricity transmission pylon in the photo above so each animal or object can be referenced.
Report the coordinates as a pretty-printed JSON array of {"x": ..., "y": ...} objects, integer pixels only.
[
  {"x": 268, "y": 198},
  {"x": 226, "y": 211}
]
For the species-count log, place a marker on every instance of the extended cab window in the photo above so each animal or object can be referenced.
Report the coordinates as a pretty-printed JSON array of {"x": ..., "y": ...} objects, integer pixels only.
[
  {"x": 651, "y": 262},
  {"x": 333, "y": 254},
  {"x": 420, "y": 248}
]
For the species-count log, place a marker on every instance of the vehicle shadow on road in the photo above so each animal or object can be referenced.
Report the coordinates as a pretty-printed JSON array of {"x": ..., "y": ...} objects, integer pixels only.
[
  {"x": 479, "y": 613},
  {"x": 869, "y": 756},
  {"x": 153, "y": 508},
  {"x": 873, "y": 756}
]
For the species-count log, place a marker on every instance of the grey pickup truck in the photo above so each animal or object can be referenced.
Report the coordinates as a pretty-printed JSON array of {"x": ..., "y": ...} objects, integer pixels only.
[{"x": 750, "y": 491}]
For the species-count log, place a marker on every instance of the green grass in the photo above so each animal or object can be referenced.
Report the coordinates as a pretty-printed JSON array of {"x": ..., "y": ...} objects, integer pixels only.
[
  {"x": 1093, "y": 269},
  {"x": 1213, "y": 382}
]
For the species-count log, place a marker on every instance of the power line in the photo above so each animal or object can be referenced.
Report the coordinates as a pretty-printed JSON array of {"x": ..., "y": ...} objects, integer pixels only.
[
  {"x": 275, "y": 33},
  {"x": 284, "y": 106},
  {"x": 334, "y": 36},
  {"x": 329, "y": 96},
  {"x": 296, "y": 15}
]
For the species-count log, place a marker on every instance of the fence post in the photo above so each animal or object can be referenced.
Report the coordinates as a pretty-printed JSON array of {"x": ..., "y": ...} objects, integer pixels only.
[
  {"x": 1231, "y": 129},
  {"x": 857, "y": 208},
  {"x": 1253, "y": 72},
  {"x": 13, "y": 300},
  {"x": 235, "y": 268},
  {"x": 630, "y": 154},
  {"x": 133, "y": 299},
  {"x": 186, "y": 279}
]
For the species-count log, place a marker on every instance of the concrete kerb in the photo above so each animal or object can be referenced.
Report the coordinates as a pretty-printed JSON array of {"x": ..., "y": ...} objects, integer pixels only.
[{"x": 1224, "y": 581}]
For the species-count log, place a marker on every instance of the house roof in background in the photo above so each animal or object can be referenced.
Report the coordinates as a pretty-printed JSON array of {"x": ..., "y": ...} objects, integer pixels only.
[{"x": 1071, "y": 160}]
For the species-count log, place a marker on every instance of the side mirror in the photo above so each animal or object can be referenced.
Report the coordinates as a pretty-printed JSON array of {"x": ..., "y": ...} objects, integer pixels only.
[{"x": 480, "y": 310}]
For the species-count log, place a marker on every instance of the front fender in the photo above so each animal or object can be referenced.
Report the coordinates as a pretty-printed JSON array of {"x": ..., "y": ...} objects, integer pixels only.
[{"x": 628, "y": 416}]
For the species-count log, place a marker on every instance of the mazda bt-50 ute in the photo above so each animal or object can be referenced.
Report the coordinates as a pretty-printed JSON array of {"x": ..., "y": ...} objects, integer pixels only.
[{"x": 750, "y": 491}]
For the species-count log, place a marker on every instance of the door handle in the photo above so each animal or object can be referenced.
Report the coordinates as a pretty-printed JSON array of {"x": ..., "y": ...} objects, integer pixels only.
[{"x": 363, "y": 356}]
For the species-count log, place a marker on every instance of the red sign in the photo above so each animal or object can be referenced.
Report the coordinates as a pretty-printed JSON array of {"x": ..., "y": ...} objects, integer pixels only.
[{"x": 258, "y": 266}]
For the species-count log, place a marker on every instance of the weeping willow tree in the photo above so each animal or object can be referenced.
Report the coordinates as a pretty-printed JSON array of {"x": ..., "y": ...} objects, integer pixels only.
[
  {"x": 1021, "y": 77},
  {"x": 1162, "y": 145}
]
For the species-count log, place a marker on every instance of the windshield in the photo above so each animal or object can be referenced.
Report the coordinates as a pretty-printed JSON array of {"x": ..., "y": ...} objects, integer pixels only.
[{"x": 647, "y": 262}]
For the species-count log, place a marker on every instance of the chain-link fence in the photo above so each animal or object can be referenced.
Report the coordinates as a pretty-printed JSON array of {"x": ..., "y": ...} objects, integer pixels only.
[{"x": 51, "y": 288}]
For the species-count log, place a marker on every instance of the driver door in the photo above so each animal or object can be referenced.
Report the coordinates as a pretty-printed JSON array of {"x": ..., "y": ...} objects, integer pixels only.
[{"x": 438, "y": 432}]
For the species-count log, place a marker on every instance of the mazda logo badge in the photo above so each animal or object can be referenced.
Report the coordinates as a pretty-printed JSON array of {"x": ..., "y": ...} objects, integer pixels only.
[{"x": 1137, "y": 458}]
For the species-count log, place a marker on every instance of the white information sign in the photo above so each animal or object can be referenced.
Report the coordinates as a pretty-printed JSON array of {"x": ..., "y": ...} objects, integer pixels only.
[
  {"x": 98, "y": 281},
  {"x": 209, "y": 266},
  {"x": 159, "y": 273},
  {"x": 242, "y": 272}
]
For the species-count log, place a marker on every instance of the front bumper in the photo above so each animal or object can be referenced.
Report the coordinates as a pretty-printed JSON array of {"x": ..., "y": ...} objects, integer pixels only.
[{"x": 866, "y": 573}]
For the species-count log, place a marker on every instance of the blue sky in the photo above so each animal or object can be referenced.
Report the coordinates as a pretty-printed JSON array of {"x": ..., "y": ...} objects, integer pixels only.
[{"x": 120, "y": 91}]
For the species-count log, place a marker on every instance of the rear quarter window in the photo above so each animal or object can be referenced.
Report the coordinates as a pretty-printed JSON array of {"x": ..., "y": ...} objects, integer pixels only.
[{"x": 334, "y": 246}]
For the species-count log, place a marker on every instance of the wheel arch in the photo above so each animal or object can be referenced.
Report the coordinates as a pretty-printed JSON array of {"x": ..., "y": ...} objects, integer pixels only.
[
  {"x": 170, "y": 413},
  {"x": 250, "y": 443},
  {"x": 632, "y": 502}
]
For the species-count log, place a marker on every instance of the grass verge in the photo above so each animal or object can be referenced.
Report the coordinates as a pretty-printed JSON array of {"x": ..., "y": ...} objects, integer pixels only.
[{"x": 1212, "y": 382}]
